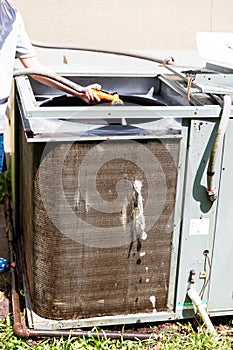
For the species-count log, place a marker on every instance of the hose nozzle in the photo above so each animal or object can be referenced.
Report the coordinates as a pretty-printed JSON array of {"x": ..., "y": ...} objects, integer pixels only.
[{"x": 106, "y": 96}]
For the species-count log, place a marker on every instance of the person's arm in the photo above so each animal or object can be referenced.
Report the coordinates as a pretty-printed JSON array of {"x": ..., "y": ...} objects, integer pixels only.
[
  {"x": 89, "y": 96},
  {"x": 27, "y": 55}
]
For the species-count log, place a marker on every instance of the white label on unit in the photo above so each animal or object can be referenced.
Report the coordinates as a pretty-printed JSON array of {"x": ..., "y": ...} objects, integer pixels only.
[{"x": 199, "y": 227}]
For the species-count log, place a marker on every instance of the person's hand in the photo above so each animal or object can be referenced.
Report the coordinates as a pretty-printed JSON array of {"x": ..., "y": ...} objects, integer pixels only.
[{"x": 90, "y": 97}]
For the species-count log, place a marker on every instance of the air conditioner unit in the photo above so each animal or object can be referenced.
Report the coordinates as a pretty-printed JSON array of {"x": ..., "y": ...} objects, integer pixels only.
[{"x": 112, "y": 209}]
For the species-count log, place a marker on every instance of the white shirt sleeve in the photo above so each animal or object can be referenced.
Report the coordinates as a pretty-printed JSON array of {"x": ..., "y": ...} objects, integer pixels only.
[{"x": 24, "y": 47}]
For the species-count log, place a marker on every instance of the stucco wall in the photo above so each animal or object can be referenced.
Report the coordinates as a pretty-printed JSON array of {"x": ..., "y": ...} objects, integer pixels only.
[{"x": 125, "y": 24}]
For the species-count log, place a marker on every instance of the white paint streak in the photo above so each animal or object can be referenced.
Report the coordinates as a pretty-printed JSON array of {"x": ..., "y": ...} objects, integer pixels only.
[
  {"x": 152, "y": 300},
  {"x": 140, "y": 219},
  {"x": 144, "y": 236}
]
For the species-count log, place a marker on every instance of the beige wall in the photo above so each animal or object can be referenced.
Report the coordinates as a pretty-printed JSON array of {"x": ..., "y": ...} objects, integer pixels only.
[{"x": 125, "y": 24}]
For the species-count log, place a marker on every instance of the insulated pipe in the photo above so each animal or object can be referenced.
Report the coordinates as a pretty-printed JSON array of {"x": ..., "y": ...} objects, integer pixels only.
[
  {"x": 19, "y": 326},
  {"x": 194, "y": 296},
  {"x": 217, "y": 146}
]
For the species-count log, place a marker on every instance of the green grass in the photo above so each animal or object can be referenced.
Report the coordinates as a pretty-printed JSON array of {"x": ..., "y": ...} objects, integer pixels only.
[{"x": 177, "y": 337}]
